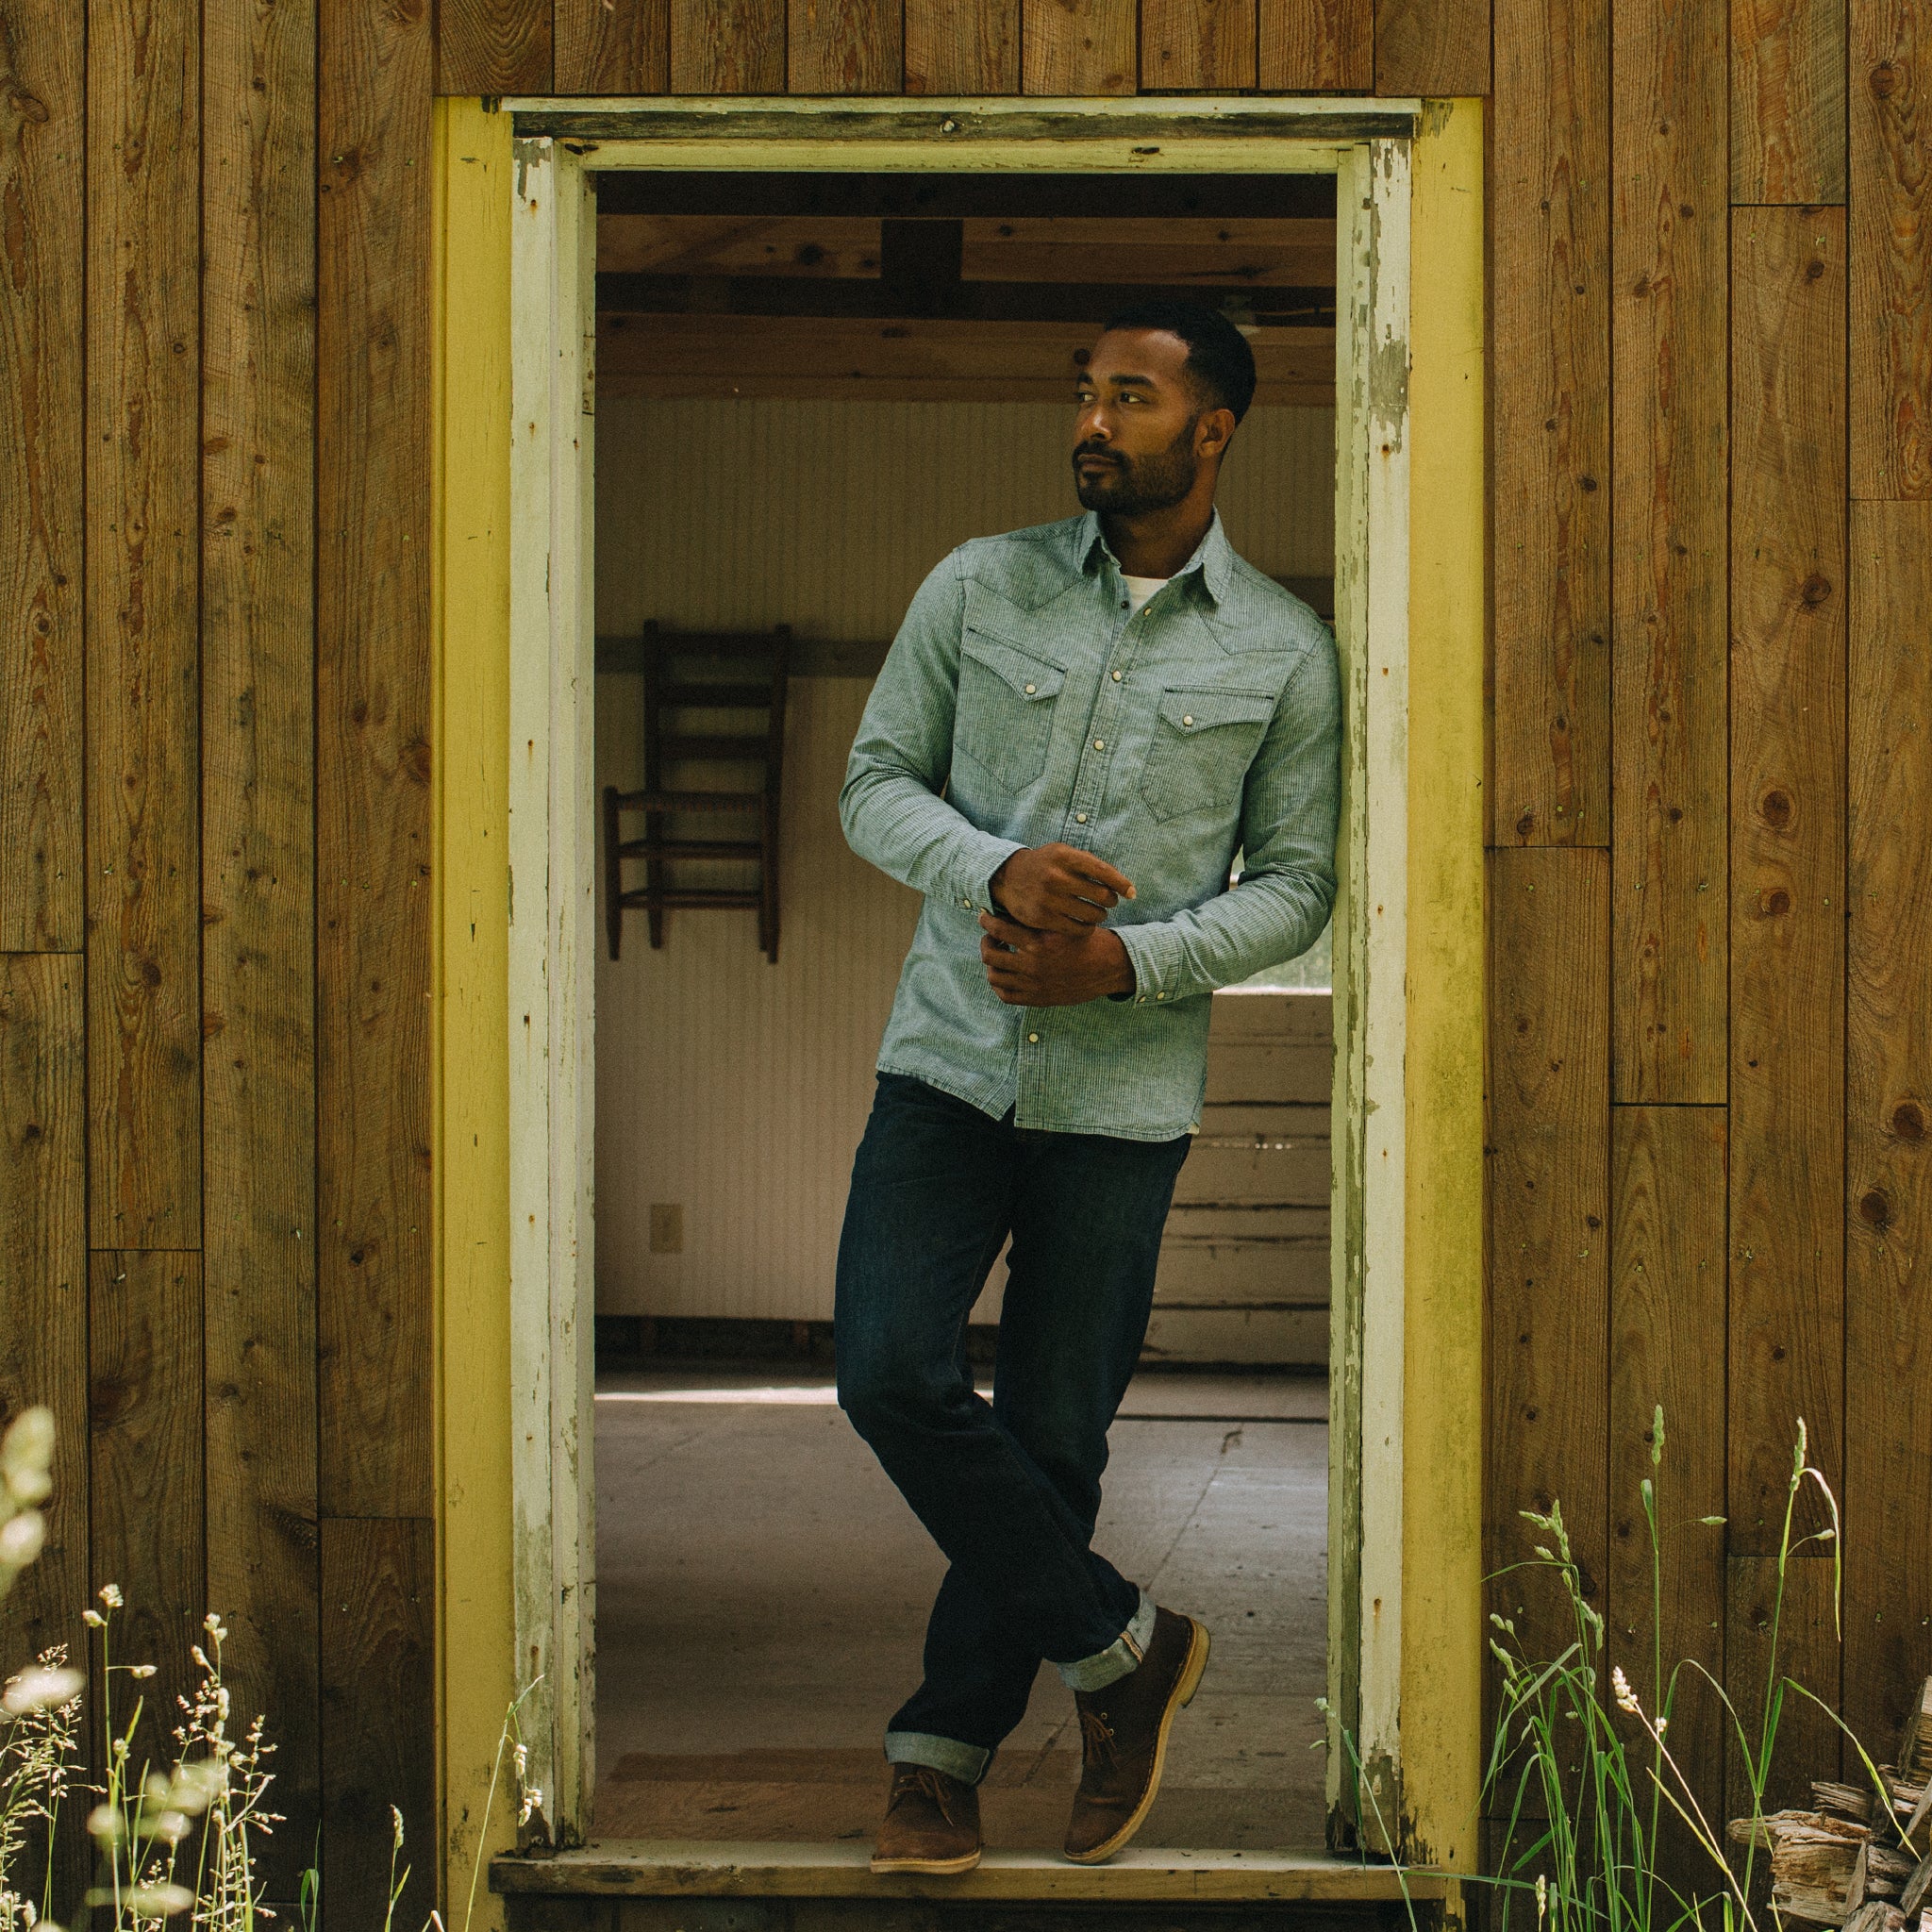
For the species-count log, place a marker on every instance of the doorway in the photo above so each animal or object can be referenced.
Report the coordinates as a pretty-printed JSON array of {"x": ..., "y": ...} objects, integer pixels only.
[{"x": 552, "y": 1127}]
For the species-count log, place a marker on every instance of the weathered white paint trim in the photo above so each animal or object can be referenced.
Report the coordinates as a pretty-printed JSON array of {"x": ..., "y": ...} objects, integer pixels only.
[
  {"x": 551, "y": 893},
  {"x": 552, "y": 842}
]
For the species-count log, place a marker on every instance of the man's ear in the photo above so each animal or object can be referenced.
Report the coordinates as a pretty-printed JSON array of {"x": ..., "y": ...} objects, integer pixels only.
[{"x": 1215, "y": 431}]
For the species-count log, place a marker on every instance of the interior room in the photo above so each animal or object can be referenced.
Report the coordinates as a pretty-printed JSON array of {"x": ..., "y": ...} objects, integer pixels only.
[{"x": 809, "y": 390}]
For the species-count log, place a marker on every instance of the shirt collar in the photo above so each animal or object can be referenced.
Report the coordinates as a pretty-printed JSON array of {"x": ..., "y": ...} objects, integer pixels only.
[{"x": 1213, "y": 555}]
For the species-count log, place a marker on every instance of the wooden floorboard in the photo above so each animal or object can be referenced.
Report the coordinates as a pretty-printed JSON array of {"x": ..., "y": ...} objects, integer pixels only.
[
  {"x": 373, "y": 696},
  {"x": 1888, "y": 1486},
  {"x": 258, "y": 804},
  {"x": 144, "y": 861},
  {"x": 1787, "y": 913},
  {"x": 43, "y": 387},
  {"x": 1788, "y": 101}
]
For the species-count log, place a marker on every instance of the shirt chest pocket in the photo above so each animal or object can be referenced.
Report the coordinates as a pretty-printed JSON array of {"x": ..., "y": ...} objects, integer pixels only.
[
  {"x": 1003, "y": 719},
  {"x": 1204, "y": 741}
]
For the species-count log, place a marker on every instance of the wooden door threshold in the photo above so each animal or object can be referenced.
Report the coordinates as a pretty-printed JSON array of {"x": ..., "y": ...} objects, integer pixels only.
[{"x": 655, "y": 1868}]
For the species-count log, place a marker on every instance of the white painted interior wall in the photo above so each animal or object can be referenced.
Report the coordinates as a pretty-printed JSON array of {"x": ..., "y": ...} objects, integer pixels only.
[{"x": 732, "y": 1087}]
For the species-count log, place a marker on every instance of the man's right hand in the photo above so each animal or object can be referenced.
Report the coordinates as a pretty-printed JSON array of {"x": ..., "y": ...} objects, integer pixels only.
[{"x": 1059, "y": 887}]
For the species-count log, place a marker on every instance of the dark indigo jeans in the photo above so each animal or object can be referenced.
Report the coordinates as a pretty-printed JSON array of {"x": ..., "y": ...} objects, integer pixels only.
[{"x": 1009, "y": 1491}]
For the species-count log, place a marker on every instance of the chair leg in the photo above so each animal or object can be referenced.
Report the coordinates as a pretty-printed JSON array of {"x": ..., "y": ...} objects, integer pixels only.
[
  {"x": 768, "y": 880},
  {"x": 613, "y": 872},
  {"x": 654, "y": 877}
]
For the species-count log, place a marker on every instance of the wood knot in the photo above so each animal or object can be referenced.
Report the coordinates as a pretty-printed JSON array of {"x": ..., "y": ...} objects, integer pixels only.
[
  {"x": 1586, "y": 483},
  {"x": 1525, "y": 824},
  {"x": 1908, "y": 1120},
  {"x": 1813, "y": 269},
  {"x": 1875, "y": 1210},
  {"x": 1777, "y": 809},
  {"x": 1775, "y": 905},
  {"x": 1815, "y": 589},
  {"x": 1884, "y": 80}
]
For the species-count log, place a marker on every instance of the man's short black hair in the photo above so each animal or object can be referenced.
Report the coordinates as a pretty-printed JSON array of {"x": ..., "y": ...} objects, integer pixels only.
[{"x": 1218, "y": 358}]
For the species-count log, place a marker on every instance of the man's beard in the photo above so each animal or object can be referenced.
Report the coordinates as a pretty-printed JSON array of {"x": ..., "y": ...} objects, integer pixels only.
[{"x": 1135, "y": 486}]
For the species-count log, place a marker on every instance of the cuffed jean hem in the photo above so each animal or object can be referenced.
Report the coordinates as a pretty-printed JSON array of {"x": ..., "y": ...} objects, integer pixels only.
[
  {"x": 966, "y": 1762},
  {"x": 1111, "y": 1665}
]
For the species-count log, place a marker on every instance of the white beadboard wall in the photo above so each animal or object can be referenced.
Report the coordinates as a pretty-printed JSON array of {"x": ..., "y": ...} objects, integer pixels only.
[{"x": 729, "y": 1087}]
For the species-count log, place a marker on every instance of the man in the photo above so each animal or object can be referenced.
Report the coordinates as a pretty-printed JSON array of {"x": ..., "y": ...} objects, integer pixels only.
[{"x": 1075, "y": 730}]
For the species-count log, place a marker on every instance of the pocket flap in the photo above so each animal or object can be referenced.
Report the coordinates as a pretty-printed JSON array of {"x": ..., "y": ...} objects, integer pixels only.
[
  {"x": 1030, "y": 677},
  {"x": 1190, "y": 709}
]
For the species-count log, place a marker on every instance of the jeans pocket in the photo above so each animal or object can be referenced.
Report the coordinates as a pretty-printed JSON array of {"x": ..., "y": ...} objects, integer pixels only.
[
  {"x": 1003, "y": 719},
  {"x": 1205, "y": 738}
]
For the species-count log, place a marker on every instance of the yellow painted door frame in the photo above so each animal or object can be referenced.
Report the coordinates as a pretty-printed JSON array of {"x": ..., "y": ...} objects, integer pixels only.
[{"x": 514, "y": 337}]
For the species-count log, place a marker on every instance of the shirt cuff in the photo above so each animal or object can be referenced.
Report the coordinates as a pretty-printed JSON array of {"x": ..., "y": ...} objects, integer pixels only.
[
  {"x": 1154, "y": 952},
  {"x": 969, "y": 878}
]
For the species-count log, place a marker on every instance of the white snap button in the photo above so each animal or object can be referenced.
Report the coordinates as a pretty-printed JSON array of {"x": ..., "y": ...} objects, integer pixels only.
[
  {"x": 1034, "y": 1038},
  {"x": 1080, "y": 818},
  {"x": 1031, "y": 689},
  {"x": 1116, "y": 677},
  {"x": 1100, "y": 744},
  {"x": 1187, "y": 721}
]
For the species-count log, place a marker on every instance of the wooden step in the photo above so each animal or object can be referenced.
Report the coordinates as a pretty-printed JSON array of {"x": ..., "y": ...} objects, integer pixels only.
[{"x": 648, "y": 1886}]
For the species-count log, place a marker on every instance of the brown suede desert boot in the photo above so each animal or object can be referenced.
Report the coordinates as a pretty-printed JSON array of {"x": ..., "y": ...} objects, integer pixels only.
[
  {"x": 932, "y": 1822},
  {"x": 1123, "y": 1738}
]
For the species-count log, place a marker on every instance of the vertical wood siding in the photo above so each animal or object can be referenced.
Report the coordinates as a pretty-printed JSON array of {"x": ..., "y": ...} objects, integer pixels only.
[{"x": 238, "y": 837}]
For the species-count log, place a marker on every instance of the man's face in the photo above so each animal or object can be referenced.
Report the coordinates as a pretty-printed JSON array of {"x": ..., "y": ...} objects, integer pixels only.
[{"x": 1134, "y": 438}]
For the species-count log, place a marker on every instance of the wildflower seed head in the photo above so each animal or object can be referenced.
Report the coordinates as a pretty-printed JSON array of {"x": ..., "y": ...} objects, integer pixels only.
[
  {"x": 94, "y": 1620},
  {"x": 211, "y": 1621},
  {"x": 200, "y": 1657},
  {"x": 28, "y": 1444},
  {"x": 1542, "y": 1896},
  {"x": 104, "y": 1824},
  {"x": 21, "y": 1539},
  {"x": 522, "y": 1757},
  {"x": 141, "y": 1669},
  {"x": 110, "y": 1595},
  {"x": 40, "y": 1688},
  {"x": 29, "y": 1484},
  {"x": 159, "y": 1899},
  {"x": 1627, "y": 1698},
  {"x": 396, "y": 1819},
  {"x": 532, "y": 1798}
]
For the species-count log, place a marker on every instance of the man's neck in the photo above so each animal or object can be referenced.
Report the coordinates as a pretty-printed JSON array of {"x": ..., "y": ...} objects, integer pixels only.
[{"x": 1160, "y": 543}]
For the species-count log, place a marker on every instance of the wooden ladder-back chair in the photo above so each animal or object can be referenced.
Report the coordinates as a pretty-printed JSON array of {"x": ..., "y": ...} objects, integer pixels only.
[{"x": 687, "y": 672}]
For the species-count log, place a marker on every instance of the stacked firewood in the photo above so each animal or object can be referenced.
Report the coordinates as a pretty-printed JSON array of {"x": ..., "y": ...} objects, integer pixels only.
[{"x": 1850, "y": 1861}]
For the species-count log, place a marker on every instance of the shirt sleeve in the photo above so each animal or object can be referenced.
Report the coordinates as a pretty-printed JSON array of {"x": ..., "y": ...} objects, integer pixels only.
[
  {"x": 1291, "y": 806},
  {"x": 891, "y": 805}
]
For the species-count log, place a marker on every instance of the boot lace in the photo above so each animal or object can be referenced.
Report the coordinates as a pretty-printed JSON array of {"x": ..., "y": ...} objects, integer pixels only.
[
  {"x": 920, "y": 1780},
  {"x": 1096, "y": 1738}
]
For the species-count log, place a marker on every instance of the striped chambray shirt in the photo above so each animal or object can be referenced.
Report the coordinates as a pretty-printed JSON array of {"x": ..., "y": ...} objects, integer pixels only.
[{"x": 1022, "y": 704}]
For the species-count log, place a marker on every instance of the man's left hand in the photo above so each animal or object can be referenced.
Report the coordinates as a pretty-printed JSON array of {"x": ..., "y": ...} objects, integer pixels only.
[{"x": 1053, "y": 968}]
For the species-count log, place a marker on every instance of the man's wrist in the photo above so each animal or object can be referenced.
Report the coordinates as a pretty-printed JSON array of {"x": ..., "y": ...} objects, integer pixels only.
[{"x": 1126, "y": 981}]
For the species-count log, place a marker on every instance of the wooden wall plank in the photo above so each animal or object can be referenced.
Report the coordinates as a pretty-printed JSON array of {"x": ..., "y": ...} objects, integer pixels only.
[
  {"x": 146, "y": 1473},
  {"x": 727, "y": 46},
  {"x": 43, "y": 1307},
  {"x": 613, "y": 47},
  {"x": 1669, "y": 340},
  {"x": 379, "y": 1596},
  {"x": 1432, "y": 47},
  {"x": 1808, "y": 1745},
  {"x": 373, "y": 753},
  {"x": 1891, "y": 250},
  {"x": 1550, "y": 423},
  {"x": 492, "y": 46},
  {"x": 1788, "y": 910},
  {"x": 143, "y": 864},
  {"x": 1305, "y": 44},
  {"x": 1887, "y": 1489},
  {"x": 1788, "y": 101},
  {"x": 962, "y": 47},
  {"x": 1198, "y": 46},
  {"x": 844, "y": 46},
  {"x": 1547, "y": 1433},
  {"x": 1667, "y": 1312},
  {"x": 43, "y": 389},
  {"x": 257, "y": 803},
  {"x": 1080, "y": 46}
]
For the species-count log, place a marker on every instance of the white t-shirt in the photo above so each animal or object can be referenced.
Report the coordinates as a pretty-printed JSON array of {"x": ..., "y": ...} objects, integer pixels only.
[{"x": 1139, "y": 591}]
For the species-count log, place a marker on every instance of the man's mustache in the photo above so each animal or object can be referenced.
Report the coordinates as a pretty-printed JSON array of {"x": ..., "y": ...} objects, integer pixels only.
[{"x": 1095, "y": 449}]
